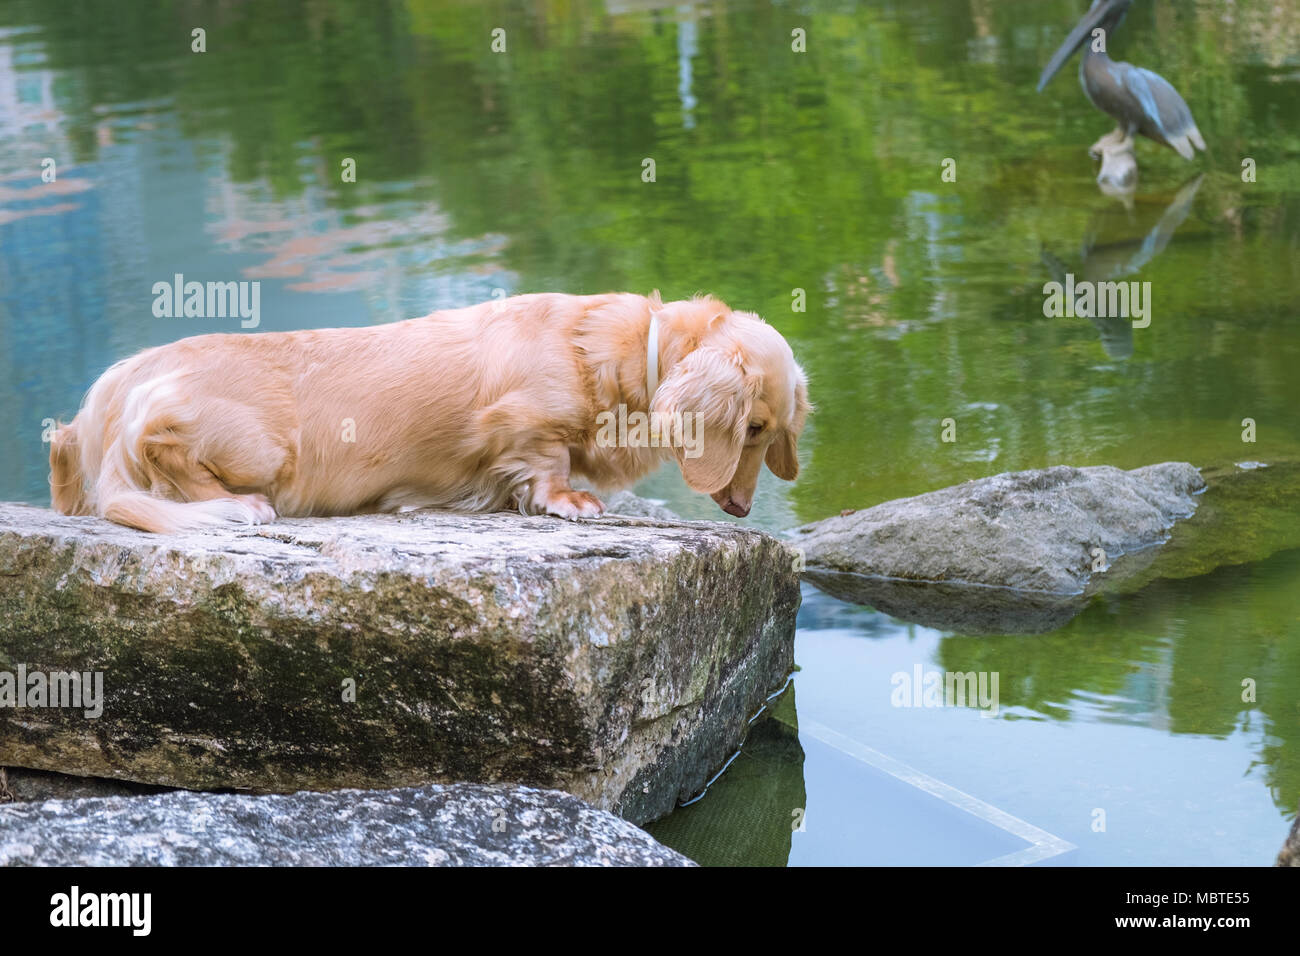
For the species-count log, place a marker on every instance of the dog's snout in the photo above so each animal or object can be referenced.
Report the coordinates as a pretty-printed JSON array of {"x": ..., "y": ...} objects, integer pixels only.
[{"x": 733, "y": 507}]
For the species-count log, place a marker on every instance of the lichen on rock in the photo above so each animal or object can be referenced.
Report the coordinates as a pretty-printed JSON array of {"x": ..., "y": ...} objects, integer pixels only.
[{"x": 617, "y": 659}]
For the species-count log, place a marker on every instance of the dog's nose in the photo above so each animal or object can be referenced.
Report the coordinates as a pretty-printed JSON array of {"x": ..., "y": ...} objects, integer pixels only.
[{"x": 732, "y": 508}]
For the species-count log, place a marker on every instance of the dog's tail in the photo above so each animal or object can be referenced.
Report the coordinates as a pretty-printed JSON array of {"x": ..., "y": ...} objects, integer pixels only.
[
  {"x": 67, "y": 484},
  {"x": 148, "y": 512},
  {"x": 105, "y": 462}
]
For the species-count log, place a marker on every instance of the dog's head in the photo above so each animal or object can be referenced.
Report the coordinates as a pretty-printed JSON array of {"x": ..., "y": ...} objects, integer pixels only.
[{"x": 741, "y": 397}]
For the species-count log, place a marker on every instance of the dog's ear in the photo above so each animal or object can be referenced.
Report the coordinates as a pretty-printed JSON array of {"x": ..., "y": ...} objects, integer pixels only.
[
  {"x": 710, "y": 386},
  {"x": 783, "y": 454}
]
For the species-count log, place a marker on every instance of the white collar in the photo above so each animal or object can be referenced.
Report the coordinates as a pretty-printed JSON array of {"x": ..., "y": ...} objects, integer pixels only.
[{"x": 652, "y": 358}]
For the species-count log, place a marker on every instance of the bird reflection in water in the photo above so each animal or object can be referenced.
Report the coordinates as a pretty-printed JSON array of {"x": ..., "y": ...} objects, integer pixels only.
[{"x": 1119, "y": 242}]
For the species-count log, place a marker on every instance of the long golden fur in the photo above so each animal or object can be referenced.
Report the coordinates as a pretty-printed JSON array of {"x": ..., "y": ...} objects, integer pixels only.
[{"x": 474, "y": 409}]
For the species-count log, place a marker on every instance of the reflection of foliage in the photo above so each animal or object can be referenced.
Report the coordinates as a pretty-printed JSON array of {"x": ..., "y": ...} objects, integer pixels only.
[
  {"x": 747, "y": 817},
  {"x": 813, "y": 171},
  {"x": 1177, "y": 650}
]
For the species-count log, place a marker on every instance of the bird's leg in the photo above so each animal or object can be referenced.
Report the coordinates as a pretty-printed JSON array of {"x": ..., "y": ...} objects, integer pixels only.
[{"x": 1112, "y": 139}]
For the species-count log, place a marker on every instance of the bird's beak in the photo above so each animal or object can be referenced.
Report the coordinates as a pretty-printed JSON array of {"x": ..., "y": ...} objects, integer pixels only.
[{"x": 1082, "y": 32}]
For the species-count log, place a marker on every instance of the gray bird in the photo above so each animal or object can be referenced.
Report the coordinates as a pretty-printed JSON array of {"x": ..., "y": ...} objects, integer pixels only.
[{"x": 1139, "y": 101}]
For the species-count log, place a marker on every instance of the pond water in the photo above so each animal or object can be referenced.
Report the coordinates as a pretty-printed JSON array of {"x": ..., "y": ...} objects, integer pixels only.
[{"x": 1121, "y": 737}]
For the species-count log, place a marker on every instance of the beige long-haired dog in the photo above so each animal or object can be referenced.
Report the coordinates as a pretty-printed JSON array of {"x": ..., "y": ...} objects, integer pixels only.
[{"x": 475, "y": 409}]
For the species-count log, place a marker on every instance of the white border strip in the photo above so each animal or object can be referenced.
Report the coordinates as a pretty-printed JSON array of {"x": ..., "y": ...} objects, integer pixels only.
[{"x": 1044, "y": 845}]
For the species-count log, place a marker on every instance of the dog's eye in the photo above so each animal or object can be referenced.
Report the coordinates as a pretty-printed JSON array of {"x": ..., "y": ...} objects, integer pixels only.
[{"x": 754, "y": 430}]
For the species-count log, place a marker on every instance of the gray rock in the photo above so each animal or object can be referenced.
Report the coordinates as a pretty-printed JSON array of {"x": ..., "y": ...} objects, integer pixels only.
[
  {"x": 1030, "y": 530},
  {"x": 617, "y": 659},
  {"x": 1011, "y": 553},
  {"x": 633, "y": 506},
  {"x": 20, "y": 785},
  {"x": 457, "y": 825}
]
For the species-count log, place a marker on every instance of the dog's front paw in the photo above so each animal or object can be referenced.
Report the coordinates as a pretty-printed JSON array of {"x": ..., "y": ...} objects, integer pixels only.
[
  {"x": 574, "y": 504},
  {"x": 260, "y": 510}
]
